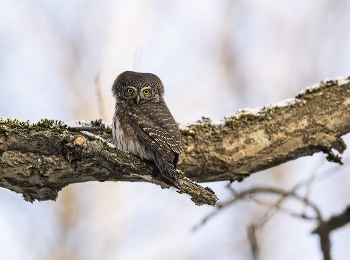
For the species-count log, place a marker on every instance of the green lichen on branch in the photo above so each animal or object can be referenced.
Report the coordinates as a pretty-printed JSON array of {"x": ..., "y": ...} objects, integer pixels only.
[
  {"x": 56, "y": 125},
  {"x": 240, "y": 116},
  {"x": 108, "y": 130},
  {"x": 317, "y": 88},
  {"x": 73, "y": 129},
  {"x": 65, "y": 139},
  {"x": 188, "y": 132},
  {"x": 97, "y": 122},
  {"x": 181, "y": 174}
]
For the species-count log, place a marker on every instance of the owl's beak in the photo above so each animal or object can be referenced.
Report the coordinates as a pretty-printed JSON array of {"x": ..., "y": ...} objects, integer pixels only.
[{"x": 137, "y": 99}]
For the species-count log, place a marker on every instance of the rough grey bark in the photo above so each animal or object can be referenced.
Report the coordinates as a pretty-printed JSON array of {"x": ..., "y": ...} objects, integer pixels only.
[
  {"x": 275, "y": 135},
  {"x": 38, "y": 164},
  {"x": 39, "y": 160}
]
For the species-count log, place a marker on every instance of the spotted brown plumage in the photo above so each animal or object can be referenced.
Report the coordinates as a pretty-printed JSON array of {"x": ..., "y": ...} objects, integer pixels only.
[{"x": 143, "y": 124}]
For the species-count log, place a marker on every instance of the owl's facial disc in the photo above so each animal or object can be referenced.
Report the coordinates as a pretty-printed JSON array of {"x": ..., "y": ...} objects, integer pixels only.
[
  {"x": 130, "y": 93},
  {"x": 138, "y": 95},
  {"x": 146, "y": 93}
]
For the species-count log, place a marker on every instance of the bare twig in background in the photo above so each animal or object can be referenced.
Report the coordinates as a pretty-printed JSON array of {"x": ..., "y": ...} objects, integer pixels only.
[
  {"x": 100, "y": 98},
  {"x": 323, "y": 229},
  {"x": 310, "y": 181},
  {"x": 254, "y": 191},
  {"x": 253, "y": 241},
  {"x": 234, "y": 76},
  {"x": 326, "y": 227},
  {"x": 67, "y": 219},
  {"x": 279, "y": 208},
  {"x": 276, "y": 207},
  {"x": 334, "y": 222},
  {"x": 249, "y": 193}
]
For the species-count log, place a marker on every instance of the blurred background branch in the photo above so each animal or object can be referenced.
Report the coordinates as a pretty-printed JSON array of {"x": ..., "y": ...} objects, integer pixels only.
[{"x": 323, "y": 229}]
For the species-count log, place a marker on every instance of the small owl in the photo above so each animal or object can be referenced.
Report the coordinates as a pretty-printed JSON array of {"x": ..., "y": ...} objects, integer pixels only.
[{"x": 143, "y": 124}]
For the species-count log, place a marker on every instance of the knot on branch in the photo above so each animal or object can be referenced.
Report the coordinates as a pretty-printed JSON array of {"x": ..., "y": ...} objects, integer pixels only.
[
  {"x": 72, "y": 149},
  {"x": 329, "y": 142}
]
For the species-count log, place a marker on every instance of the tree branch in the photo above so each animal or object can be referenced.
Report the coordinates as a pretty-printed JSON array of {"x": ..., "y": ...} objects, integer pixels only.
[
  {"x": 251, "y": 142},
  {"x": 39, "y": 163},
  {"x": 39, "y": 160},
  {"x": 326, "y": 227},
  {"x": 334, "y": 222}
]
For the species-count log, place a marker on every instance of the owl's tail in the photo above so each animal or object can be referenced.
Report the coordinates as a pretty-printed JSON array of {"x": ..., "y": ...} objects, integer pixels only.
[
  {"x": 175, "y": 182},
  {"x": 168, "y": 171}
]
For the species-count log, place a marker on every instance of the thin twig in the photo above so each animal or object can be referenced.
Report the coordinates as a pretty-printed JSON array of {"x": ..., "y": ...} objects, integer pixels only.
[
  {"x": 99, "y": 97},
  {"x": 253, "y": 241},
  {"x": 253, "y": 191},
  {"x": 281, "y": 209}
]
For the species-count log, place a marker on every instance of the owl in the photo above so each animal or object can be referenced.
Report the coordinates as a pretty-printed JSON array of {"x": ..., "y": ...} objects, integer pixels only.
[{"x": 142, "y": 123}]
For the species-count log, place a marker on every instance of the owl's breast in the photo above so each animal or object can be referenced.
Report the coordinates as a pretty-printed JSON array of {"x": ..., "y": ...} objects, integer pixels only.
[
  {"x": 118, "y": 134},
  {"x": 126, "y": 139}
]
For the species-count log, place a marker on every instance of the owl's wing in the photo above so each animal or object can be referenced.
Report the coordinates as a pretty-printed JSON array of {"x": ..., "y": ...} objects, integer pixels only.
[{"x": 154, "y": 123}]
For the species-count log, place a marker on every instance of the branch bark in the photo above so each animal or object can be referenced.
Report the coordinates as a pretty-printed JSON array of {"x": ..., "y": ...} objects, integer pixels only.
[
  {"x": 248, "y": 143},
  {"x": 39, "y": 160}
]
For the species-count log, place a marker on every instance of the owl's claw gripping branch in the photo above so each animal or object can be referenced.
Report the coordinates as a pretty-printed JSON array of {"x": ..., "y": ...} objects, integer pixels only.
[{"x": 38, "y": 160}]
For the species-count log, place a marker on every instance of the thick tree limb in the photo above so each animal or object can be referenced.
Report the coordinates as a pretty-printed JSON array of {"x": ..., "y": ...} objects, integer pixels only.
[
  {"x": 38, "y": 161},
  {"x": 39, "y": 164},
  {"x": 314, "y": 122}
]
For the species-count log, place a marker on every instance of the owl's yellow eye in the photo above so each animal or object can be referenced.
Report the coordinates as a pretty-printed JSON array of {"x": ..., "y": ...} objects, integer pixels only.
[
  {"x": 146, "y": 92},
  {"x": 130, "y": 90}
]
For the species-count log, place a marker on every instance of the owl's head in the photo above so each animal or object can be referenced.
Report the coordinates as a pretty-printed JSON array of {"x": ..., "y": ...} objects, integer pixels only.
[{"x": 138, "y": 87}]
